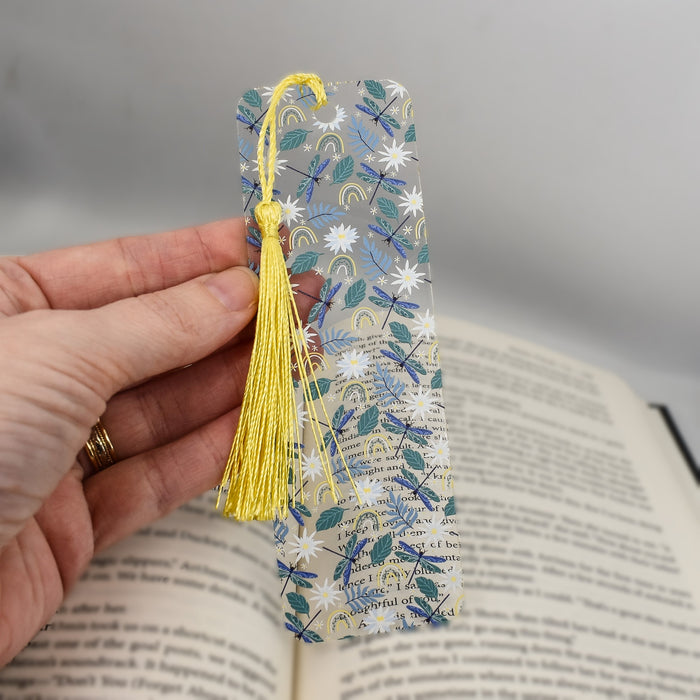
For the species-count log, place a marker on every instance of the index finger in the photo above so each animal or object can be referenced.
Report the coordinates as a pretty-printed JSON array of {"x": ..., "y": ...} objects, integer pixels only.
[{"x": 89, "y": 276}]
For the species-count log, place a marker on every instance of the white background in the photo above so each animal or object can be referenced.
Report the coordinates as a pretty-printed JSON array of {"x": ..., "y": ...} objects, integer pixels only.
[{"x": 559, "y": 143}]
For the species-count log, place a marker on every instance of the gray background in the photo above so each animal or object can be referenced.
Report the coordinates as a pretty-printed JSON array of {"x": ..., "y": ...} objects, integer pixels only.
[{"x": 560, "y": 175}]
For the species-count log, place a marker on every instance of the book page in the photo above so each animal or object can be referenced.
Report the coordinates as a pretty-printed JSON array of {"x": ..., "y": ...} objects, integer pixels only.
[
  {"x": 577, "y": 545},
  {"x": 188, "y": 607}
]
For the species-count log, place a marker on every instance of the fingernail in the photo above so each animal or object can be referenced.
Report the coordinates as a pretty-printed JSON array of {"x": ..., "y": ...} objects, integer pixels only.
[{"x": 236, "y": 288}]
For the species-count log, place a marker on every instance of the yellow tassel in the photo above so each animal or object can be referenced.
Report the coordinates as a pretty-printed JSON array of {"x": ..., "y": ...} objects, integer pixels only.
[{"x": 267, "y": 438}]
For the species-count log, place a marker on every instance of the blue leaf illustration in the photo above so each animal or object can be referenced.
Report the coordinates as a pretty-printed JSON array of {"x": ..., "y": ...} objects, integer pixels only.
[
  {"x": 358, "y": 597},
  {"x": 400, "y": 516},
  {"x": 389, "y": 387},
  {"x": 362, "y": 140},
  {"x": 374, "y": 262},
  {"x": 334, "y": 340},
  {"x": 320, "y": 214}
]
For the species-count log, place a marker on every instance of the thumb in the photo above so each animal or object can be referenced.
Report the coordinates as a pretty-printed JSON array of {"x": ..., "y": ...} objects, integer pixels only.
[{"x": 137, "y": 338}]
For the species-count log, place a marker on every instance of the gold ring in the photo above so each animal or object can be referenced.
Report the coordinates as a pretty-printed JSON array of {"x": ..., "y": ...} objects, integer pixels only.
[{"x": 99, "y": 448}]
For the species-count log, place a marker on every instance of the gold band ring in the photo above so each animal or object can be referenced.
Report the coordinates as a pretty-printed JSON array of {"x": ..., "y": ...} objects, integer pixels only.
[{"x": 99, "y": 448}]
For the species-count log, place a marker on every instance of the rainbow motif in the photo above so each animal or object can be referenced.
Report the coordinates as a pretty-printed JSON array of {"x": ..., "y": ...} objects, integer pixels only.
[
  {"x": 350, "y": 192},
  {"x": 302, "y": 235},
  {"x": 407, "y": 109},
  {"x": 342, "y": 262},
  {"x": 448, "y": 480},
  {"x": 421, "y": 231},
  {"x": 332, "y": 141},
  {"x": 290, "y": 114},
  {"x": 377, "y": 443},
  {"x": 323, "y": 493},
  {"x": 355, "y": 391},
  {"x": 390, "y": 573},
  {"x": 340, "y": 619},
  {"x": 372, "y": 516},
  {"x": 364, "y": 318},
  {"x": 434, "y": 354}
]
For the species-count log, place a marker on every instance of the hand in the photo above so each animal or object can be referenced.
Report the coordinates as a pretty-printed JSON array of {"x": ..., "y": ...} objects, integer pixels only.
[{"x": 103, "y": 330}]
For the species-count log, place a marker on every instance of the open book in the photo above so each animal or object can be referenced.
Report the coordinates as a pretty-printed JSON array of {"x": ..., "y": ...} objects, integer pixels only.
[{"x": 581, "y": 578}]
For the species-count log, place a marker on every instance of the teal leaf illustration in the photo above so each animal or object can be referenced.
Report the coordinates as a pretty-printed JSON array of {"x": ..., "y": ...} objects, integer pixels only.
[
  {"x": 247, "y": 113},
  {"x": 427, "y": 587},
  {"x": 368, "y": 421},
  {"x": 410, "y": 133},
  {"x": 436, "y": 381},
  {"x": 343, "y": 170},
  {"x": 355, "y": 294},
  {"x": 424, "y": 254},
  {"x": 300, "y": 605},
  {"x": 252, "y": 97},
  {"x": 388, "y": 208},
  {"x": 330, "y": 518},
  {"x": 400, "y": 332},
  {"x": 304, "y": 262},
  {"x": 450, "y": 506},
  {"x": 293, "y": 139},
  {"x": 324, "y": 384},
  {"x": 414, "y": 459},
  {"x": 381, "y": 549},
  {"x": 376, "y": 89}
]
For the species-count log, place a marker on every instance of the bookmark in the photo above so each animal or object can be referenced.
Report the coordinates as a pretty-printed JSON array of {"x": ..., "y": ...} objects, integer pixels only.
[{"x": 343, "y": 435}]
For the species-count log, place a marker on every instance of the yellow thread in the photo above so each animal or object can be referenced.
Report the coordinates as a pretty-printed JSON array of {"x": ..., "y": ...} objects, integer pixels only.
[{"x": 267, "y": 438}]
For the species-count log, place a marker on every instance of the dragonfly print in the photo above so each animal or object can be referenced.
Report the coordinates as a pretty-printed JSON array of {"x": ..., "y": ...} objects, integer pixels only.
[
  {"x": 406, "y": 430},
  {"x": 380, "y": 179},
  {"x": 418, "y": 557},
  {"x": 423, "y": 609},
  {"x": 347, "y": 560},
  {"x": 393, "y": 303},
  {"x": 324, "y": 301},
  {"x": 312, "y": 177},
  {"x": 404, "y": 361},
  {"x": 253, "y": 189},
  {"x": 289, "y": 573},
  {"x": 335, "y": 431},
  {"x": 419, "y": 489},
  {"x": 379, "y": 115},
  {"x": 392, "y": 236}
]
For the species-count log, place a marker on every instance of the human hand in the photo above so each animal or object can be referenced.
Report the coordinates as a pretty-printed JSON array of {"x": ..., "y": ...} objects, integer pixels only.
[{"x": 103, "y": 330}]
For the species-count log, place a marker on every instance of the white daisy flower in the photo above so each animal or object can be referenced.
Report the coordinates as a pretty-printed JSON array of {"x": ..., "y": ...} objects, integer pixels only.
[
  {"x": 396, "y": 88},
  {"x": 301, "y": 415},
  {"x": 311, "y": 465},
  {"x": 412, "y": 202},
  {"x": 420, "y": 402},
  {"x": 268, "y": 91},
  {"x": 340, "y": 238},
  {"x": 353, "y": 364},
  {"x": 324, "y": 595},
  {"x": 407, "y": 278},
  {"x": 334, "y": 124},
  {"x": 439, "y": 452},
  {"x": 279, "y": 164},
  {"x": 395, "y": 156},
  {"x": 435, "y": 530},
  {"x": 452, "y": 579},
  {"x": 380, "y": 620},
  {"x": 290, "y": 211},
  {"x": 425, "y": 326},
  {"x": 370, "y": 491},
  {"x": 304, "y": 546}
]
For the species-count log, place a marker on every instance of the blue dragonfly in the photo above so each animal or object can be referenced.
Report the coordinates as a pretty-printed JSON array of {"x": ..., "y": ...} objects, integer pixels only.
[
  {"x": 424, "y": 609},
  {"x": 252, "y": 123},
  {"x": 301, "y": 630},
  {"x": 393, "y": 303},
  {"x": 391, "y": 235},
  {"x": 352, "y": 551},
  {"x": 289, "y": 572},
  {"x": 419, "y": 558},
  {"x": 324, "y": 301},
  {"x": 406, "y": 430},
  {"x": 404, "y": 361},
  {"x": 252, "y": 189},
  {"x": 410, "y": 481},
  {"x": 337, "y": 427},
  {"x": 379, "y": 115},
  {"x": 380, "y": 179},
  {"x": 311, "y": 178}
]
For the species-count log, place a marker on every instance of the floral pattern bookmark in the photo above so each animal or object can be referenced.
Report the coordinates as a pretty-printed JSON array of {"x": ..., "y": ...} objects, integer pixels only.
[{"x": 347, "y": 180}]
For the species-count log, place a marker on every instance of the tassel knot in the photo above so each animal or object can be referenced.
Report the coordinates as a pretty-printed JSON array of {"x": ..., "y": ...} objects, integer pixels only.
[{"x": 268, "y": 215}]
